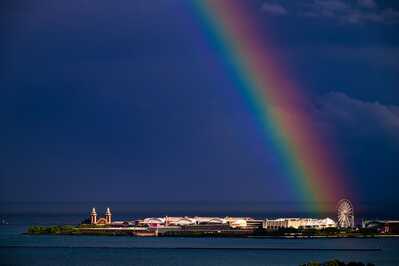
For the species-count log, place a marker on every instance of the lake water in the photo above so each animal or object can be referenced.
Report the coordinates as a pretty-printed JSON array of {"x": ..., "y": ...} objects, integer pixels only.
[{"x": 19, "y": 249}]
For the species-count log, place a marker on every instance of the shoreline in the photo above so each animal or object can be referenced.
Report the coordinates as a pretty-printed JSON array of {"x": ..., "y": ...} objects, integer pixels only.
[
  {"x": 233, "y": 233},
  {"x": 209, "y": 248}
]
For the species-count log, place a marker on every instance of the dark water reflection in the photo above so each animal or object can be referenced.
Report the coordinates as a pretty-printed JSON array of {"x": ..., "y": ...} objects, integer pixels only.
[{"x": 19, "y": 249}]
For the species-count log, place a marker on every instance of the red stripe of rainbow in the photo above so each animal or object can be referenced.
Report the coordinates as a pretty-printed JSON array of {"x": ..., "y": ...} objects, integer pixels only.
[{"x": 275, "y": 100}]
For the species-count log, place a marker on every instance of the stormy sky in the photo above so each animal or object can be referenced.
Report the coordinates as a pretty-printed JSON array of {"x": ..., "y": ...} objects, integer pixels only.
[{"x": 126, "y": 100}]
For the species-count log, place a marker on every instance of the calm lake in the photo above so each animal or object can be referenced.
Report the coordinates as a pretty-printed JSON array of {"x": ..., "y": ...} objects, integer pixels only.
[{"x": 19, "y": 249}]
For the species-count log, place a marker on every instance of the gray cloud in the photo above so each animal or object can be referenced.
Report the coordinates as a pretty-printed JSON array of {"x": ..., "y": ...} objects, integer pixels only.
[
  {"x": 361, "y": 117},
  {"x": 343, "y": 11},
  {"x": 367, "y": 3},
  {"x": 274, "y": 8},
  {"x": 362, "y": 11}
]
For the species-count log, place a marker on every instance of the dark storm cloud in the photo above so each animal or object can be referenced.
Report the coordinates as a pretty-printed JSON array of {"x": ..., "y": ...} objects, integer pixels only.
[
  {"x": 274, "y": 8},
  {"x": 132, "y": 102},
  {"x": 367, "y": 136},
  {"x": 367, "y": 3},
  {"x": 353, "y": 12},
  {"x": 372, "y": 119}
]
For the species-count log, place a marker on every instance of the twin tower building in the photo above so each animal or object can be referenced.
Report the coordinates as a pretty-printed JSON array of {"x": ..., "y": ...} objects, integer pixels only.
[{"x": 107, "y": 219}]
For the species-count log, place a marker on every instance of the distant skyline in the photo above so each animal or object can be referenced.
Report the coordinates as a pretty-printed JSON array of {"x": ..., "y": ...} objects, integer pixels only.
[{"x": 130, "y": 102}]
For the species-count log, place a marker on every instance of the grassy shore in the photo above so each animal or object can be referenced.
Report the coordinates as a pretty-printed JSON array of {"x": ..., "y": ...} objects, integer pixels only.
[
  {"x": 76, "y": 230},
  {"x": 259, "y": 233},
  {"x": 53, "y": 230}
]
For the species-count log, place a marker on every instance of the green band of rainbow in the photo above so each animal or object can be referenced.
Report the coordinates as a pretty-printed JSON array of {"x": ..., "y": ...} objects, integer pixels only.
[{"x": 273, "y": 98}]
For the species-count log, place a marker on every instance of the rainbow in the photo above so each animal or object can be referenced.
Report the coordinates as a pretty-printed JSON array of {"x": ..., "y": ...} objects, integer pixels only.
[{"x": 275, "y": 100}]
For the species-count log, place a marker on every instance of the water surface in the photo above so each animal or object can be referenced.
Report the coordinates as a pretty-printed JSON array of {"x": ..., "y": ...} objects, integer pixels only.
[{"x": 19, "y": 249}]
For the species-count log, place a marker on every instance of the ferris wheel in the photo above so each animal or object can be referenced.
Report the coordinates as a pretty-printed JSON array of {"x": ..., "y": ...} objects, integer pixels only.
[{"x": 346, "y": 217}]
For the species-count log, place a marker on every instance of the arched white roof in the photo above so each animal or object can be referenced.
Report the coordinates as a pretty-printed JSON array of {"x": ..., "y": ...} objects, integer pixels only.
[
  {"x": 154, "y": 220},
  {"x": 182, "y": 221}
]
